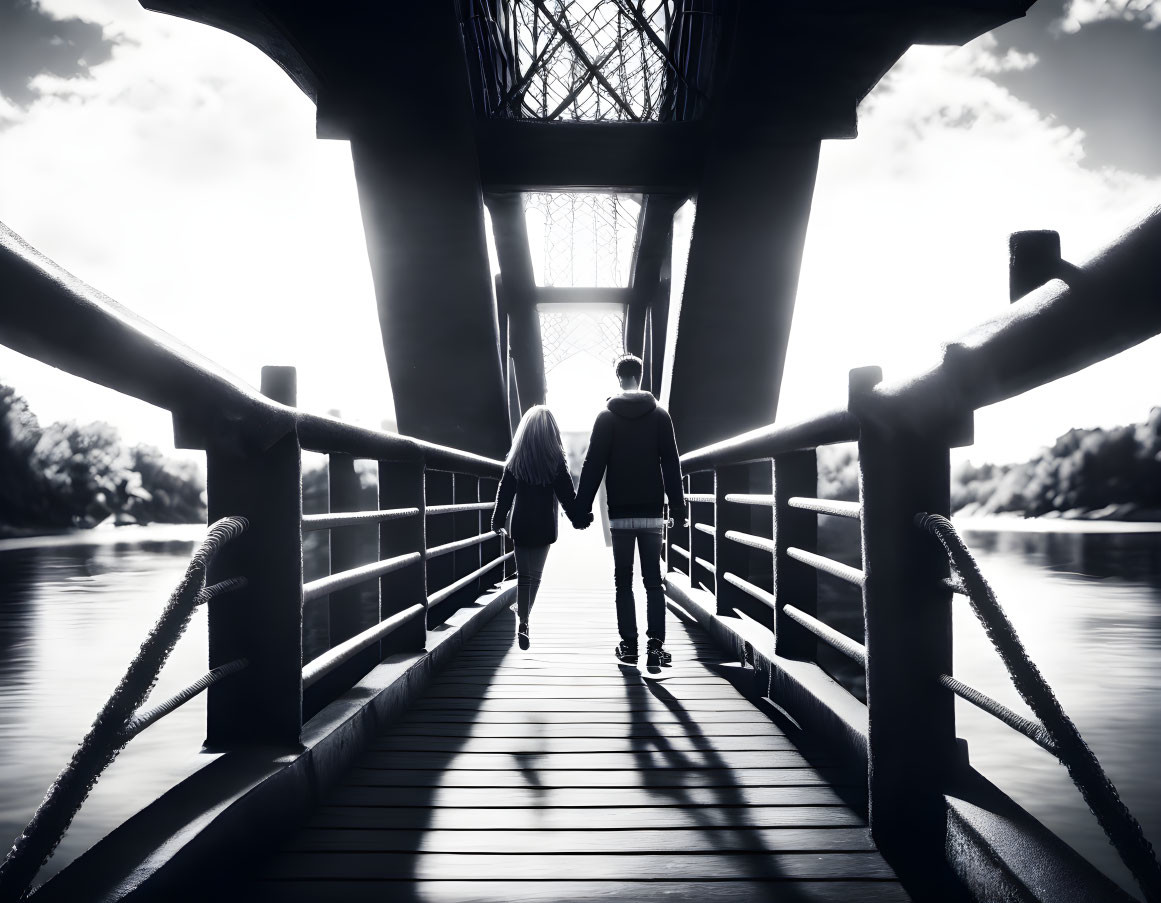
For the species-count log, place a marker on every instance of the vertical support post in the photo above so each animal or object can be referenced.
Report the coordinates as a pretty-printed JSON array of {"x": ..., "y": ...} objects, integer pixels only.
[
  {"x": 263, "y": 621},
  {"x": 401, "y": 486},
  {"x": 350, "y": 611},
  {"x": 679, "y": 536},
  {"x": 907, "y": 609},
  {"x": 439, "y": 490},
  {"x": 701, "y": 544},
  {"x": 466, "y": 490},
  {"x": 730, "y": 556},
  {"x": 795, "y": 583},
  {"x": 493, "y": 548}
]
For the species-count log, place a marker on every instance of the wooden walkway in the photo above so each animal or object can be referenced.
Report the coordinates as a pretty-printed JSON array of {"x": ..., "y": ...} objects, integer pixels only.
[{"x": 558, "y": 774}]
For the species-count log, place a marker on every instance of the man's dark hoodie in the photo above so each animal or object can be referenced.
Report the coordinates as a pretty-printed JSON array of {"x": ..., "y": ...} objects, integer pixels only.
[{"x": 632, "y": 442}]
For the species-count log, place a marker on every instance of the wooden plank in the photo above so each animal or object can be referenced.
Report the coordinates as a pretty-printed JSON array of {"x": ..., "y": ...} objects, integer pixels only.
[
  {"x": 645, "y": 703},
  {"x": 652, "y": 729},
  {"x": 549, "y": 818},
  {"x": 679, "y": 840},
  {"x": 579, "y": 691},
  {"x": 646, "y": 758},
  {"x": 528, "y": 775},
  {"x": 729, "y": 891},
  {"x": 581, "y": 797},
  {"x": 705, "y": 723},
  {"x": 552, "y": 746},
  {"x": 534, "y": 866}
]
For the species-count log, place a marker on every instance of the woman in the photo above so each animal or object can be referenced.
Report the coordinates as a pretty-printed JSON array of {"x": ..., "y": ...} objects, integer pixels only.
[{"x": 535, "y": 476}]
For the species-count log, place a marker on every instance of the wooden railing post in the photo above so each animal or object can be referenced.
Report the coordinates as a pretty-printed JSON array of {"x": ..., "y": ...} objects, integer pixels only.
[
  {"x": 701, "y": 544},
  {"x": 678, "y": 535},
  {"x": 356, "y": 608},
  {"x": 263, "y": 621},
  {"x": 907, "y": 609},
  {"x": 441, "y": 529},
  {"x": 493, "y": 548},
  {"x": 465, "y": 491},
  {"x": 401, "y": 485},
  {"x": 729, "y": 556},
  {"x": 795, "y": 583}
]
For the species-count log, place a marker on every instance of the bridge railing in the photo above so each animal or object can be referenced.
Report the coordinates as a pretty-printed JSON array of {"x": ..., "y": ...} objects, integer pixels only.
[
  {"x": 435, "y": 551},
  {"x": 753, "y": 535}
]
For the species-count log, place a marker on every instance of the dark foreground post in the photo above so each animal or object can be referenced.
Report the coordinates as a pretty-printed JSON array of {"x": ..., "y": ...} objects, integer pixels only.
[
  {"x": 262, "y": 622},
  {"x": 908, "y": 629}
]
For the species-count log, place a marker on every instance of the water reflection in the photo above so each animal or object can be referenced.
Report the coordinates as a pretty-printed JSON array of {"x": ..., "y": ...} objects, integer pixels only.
[
  {"x": 71, "y": 618},
  {"x": 1088, "y": 608}
]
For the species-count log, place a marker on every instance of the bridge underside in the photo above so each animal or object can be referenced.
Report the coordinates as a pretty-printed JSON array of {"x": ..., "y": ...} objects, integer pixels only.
[
  {"x": 559, "y": 774},
  {"x": 436, "y": 103}
]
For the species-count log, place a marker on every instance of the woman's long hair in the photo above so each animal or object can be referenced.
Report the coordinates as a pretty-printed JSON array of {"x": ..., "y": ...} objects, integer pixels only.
[{"x": 537, "y": 454}]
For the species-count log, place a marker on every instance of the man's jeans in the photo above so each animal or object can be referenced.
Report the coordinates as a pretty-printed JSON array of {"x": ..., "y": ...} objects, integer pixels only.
[{"x": 648, "y": 542}]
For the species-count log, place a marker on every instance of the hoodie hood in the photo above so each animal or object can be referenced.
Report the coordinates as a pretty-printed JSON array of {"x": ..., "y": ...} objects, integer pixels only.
[{"x": 632, "y": 405}]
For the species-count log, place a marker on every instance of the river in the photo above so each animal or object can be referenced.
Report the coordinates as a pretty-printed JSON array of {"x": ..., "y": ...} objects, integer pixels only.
[{"x": 1087, "y": 604}]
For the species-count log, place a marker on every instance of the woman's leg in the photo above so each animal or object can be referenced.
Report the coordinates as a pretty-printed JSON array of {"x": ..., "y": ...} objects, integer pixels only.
[{"x": 529, "y": 567}]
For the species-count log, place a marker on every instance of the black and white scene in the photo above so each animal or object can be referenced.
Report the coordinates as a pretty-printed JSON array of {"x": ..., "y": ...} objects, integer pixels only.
[{"x": 560, "y": 451}]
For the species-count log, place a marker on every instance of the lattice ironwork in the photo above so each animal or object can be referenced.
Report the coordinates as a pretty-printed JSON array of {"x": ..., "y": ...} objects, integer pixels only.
[
  {"x": 567, "y": 333},
  {"x": 591, "y": 60},
  {"x": 581, "y": 239}
]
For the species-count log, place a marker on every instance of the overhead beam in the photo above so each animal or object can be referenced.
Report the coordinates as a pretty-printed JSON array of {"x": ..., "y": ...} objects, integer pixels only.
[
  {"x": 546, "y": 294},
  {"x": 639, "y": 157}
]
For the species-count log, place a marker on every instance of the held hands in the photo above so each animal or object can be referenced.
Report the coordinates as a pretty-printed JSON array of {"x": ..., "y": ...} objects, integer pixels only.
[{"x": 582, "y": 520}]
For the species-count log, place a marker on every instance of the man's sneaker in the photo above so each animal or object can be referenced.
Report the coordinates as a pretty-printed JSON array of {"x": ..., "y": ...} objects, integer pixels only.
[
  {"x": 522, "y": 635},
  {"x": 657, "y": 656},
  {"x": 626, "y": 653}
]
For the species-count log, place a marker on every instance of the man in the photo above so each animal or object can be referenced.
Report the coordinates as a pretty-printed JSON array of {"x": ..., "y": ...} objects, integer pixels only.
[{"x": 633, "y": 447}]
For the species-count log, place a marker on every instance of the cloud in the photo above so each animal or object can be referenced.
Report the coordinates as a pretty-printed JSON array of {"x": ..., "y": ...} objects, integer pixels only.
[
  {"x": 185, "y": 180},
  {"x": 1084, "y": 12},
  {"x": 907, "y": 243},
  {"x": 37, "y": 47}
]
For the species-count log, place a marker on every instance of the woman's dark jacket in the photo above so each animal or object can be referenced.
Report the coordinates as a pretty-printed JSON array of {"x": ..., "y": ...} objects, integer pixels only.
[{"x": 535, "y": 515}]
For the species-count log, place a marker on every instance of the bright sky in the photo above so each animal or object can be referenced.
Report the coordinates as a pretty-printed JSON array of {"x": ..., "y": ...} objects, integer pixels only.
[{"x": 182, "y": 177}]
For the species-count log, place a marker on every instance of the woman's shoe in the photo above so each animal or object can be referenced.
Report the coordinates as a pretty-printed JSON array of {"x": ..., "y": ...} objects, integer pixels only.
[
  {"x": 522, "y": 635},
  {"x": 626, "y": 653}
]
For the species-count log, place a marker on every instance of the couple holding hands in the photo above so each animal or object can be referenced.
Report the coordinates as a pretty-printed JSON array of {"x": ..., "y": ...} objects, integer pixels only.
[{"x": 632, "y": 446}]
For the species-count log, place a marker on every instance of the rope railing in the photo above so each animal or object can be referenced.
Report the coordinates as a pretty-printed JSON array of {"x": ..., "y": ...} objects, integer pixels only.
[
  {"x": 749, "y": 498},
  {"x": 318, "y": 668},
  {"x": 1029, "y": 727},
  {"x": 109, "y": 732},
  {"x": 1122, "y": 829},
  {"x": 464, "y": 508},
  {"x": 459, "y": 544},
  {"x": 827, "y": 506},
  {"x": 141, "y": 721},
  {"x": 354, "y": 518},
  {"x": 452, "y": 588},
  {"x": 828, "y": 566},
  {"x": 324, "y": 586},
  {"x": 852, "y": 649}
]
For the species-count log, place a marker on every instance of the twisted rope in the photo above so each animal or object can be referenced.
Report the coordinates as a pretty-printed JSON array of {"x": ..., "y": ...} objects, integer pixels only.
[
  {"x": 108, "y": 736},
  {"x": 1121, "y": 828}
]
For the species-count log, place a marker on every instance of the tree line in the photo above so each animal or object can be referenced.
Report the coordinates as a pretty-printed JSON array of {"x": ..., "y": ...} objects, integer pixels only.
[
  {"x": 1112, "y": 474},
  {"x": 68, "y": 475}
]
